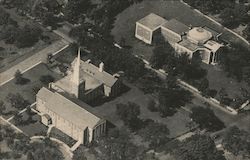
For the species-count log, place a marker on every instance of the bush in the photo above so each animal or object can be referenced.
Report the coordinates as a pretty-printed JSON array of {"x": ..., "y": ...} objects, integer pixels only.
[
  {"x": 46, "y": 79},
  {"x": 16, "y": 155},
  {"x": 152, "y": 106},
  {"x": 211, "y": 93},
  {"x": 19, "y": 78}
]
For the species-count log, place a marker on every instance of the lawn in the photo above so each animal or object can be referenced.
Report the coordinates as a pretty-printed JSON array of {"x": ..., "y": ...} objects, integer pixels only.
[
  {"x": 176, "y": 123},
  {"x": 28, "y": 91},
  {"x": 218, "y": 79},
  {"x": 124, "y": 25},
  {"x": 33, "y": 127}
]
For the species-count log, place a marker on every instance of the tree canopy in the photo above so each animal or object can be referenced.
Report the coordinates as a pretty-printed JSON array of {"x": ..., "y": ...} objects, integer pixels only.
[
  {"x": 198, "y": 147},
  {"x": 237, "y": 141},
  {"x": 129, "y": 114},
  {"x": 157, "y": 134},
  {"x": 117, "y": 147},
  {"x": 206, "y": 119}
]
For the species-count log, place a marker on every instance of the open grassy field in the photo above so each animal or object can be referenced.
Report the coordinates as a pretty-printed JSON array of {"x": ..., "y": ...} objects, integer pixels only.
[
  {"x": 124, "y": 25},
  {"x": 27, "y": 90}
]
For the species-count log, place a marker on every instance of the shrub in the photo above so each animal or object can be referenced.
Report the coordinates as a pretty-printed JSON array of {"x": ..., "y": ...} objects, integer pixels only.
[
  {"x": 152, "y": 106},
  {"x": 46, "y": 79}
]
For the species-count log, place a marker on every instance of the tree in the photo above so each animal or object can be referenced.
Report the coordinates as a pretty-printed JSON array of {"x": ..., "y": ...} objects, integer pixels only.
[
  {"x": 203, "y": 86},
  {"x": 79, "y": 154},
  {"x": 75, "y": 9},
  {"x": 2, "y": 107},
  {"x": 9, "y": 33},
  {"x": 152, "y": 106},
  {"x": 161, "y": 52},
  {"x": 206, "y": 119},
  {"x": 129, "y": 114},
  {"x": 30, "y": 156},
  {"x": 46, "y": 79},
  {"x": 18, "y": 119},
  {"x": 117, "y": 148},
  {"x": 237, "y": 141},
  {"x": 17, "y": 101},
  {"x": 172, "y": 98},
  {"x": 4, "y": 17},
  {"x": 28, "y": 36},
  {"x": 246, "y": 32},
  {"x": 157, "y": 134},
  {"x": 198, "y": 147},
  {"x": 232, "y": 17},
  {"x": 224, "y": 99},
  {"x": 19, "y": 77}
]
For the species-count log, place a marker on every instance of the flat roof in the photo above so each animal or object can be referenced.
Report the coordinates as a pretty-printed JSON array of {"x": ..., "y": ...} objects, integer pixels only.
[
  {"x": 189, "y": 45},
  {"x": 214, "y": 33},
  {"x": 176, "y": 26},
  {"x": 152, "y": 21},
  {"x": 67, "y": 109},
  {"x": 213, "y": 46}
]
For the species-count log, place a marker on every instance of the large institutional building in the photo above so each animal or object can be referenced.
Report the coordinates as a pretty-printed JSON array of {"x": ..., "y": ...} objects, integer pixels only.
[
  {"x": 71, "y": 118},
  {"x": 183, "y": 38},
  {"x": 84, "y": 82}
]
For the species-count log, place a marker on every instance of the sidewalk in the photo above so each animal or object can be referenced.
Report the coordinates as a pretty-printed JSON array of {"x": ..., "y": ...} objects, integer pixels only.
[{"x": 33, "y": 61}]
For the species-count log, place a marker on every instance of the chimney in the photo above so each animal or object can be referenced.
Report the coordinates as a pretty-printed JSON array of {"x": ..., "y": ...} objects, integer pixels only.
[{"x": 101, "y": 67}]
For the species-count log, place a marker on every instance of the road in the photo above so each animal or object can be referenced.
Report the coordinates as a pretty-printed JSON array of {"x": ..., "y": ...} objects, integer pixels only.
[{"x": 32, "y": 61}]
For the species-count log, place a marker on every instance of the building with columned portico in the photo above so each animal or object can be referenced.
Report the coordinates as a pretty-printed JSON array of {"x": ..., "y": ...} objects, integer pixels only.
[{"x": 190, "y": 40}]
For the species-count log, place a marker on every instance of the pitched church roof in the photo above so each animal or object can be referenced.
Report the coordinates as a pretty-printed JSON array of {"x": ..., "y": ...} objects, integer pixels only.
[
  {"x": 102, "y": 76},
  {"x": 68, "y": 110}
]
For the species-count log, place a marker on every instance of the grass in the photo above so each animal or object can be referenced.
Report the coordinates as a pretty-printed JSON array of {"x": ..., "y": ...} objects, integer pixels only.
[
  {"x": 176, "y": 123},
  {"x": 34, "y": 127},
  {"x": 28, "y": 91},
  {"x": 218, "y": 79},
  {"x": 124, "y": 25}
]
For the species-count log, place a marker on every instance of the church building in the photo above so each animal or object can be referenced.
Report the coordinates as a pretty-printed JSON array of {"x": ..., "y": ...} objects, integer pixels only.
[
  {"x": 87, "y": 82},
  {"x": 77, "y": 121}
]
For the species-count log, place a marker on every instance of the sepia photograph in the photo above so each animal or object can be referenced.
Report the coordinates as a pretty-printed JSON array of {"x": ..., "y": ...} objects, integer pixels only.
[{"x": 124, "y": 79}]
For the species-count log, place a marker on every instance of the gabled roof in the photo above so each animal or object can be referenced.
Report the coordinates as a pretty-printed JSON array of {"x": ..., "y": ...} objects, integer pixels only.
[
  {"x": 104, "y": 77},
  {"x": 152, "y": 21},
  {"x": 176, "y": 26},
  {"x": 68, "y": 110}
]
